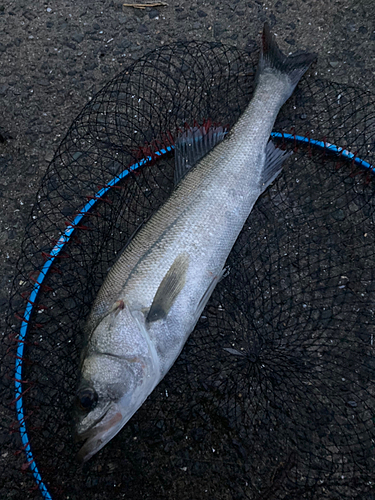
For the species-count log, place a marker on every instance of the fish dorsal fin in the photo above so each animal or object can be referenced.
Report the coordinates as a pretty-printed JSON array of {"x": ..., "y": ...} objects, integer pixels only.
[
  {"x": 171, "y": 285},
  {"x": 273, "y": 164},
  {"x": 193, "y": 144}
]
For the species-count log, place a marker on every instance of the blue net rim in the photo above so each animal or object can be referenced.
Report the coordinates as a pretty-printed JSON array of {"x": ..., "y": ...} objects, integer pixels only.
[{"x": 66, "y": 236}]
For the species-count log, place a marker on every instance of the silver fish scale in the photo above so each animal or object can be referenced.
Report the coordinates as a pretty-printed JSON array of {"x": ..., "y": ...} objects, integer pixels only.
[
  {"x": 154, "y": 294},
  {"x": 204, "y": 214}
]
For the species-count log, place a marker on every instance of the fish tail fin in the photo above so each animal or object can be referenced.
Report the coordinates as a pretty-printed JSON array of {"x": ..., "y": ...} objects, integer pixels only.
[{"x": 273, "y": 60}]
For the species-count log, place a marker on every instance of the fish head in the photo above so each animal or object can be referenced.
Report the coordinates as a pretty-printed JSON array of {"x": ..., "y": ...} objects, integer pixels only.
[{"x": 113, "y": 386}]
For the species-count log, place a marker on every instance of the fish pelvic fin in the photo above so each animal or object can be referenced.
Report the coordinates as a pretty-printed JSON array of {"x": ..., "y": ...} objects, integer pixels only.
[
  {"x": 273, "y": 60},
  {"x": 207, "y": 294},
  {"x": 273, "y": 165},
  {"x": 169, "y": 289}
]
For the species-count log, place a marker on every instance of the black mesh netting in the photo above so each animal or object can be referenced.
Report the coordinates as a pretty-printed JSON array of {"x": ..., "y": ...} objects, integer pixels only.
[{"x": 273, "y": 395}]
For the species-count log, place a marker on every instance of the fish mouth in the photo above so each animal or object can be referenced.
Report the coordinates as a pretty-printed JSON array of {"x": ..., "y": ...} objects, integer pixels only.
[{"x": 98, "y": 436}]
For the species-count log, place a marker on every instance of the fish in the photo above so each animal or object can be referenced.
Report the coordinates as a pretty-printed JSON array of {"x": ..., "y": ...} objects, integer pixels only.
[{"x": 154, "y": 294}]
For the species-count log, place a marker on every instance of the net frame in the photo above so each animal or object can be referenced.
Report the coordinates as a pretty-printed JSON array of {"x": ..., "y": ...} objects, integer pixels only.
[{"x": 105, "y": 131}]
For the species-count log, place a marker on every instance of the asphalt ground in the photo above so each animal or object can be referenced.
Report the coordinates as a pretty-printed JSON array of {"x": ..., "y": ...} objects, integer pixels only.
[{"x": 56, "y": 56}]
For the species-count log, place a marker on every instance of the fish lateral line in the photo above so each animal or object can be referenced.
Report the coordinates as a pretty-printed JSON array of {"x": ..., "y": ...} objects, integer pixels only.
[{"x": 130, "y": 359}]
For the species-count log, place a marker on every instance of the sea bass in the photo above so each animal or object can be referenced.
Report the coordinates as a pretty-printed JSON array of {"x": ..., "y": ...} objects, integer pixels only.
[{"x": 155, "y": 293}]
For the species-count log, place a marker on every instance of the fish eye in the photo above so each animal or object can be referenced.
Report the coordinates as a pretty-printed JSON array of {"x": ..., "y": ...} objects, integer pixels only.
[{"x": 86, "y": 399}]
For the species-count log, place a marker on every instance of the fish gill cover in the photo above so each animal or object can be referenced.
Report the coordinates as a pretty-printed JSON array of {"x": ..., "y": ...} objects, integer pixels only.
[{"x": 273, "y": 394}]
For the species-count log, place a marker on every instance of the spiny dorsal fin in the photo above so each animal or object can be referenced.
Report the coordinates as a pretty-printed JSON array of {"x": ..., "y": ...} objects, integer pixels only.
[
  {"x": 192, "y": 145},
  {"x": 171, "y": 285}
]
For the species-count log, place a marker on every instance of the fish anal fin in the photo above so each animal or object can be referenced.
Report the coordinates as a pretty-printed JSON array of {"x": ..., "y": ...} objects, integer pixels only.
[
  {"x": 169, "y": 289},
  {"x": 273, "y": 164}
]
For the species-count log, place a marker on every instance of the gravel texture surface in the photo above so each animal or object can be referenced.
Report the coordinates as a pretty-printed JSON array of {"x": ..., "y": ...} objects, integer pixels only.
[{"x": 56, "y": 55}]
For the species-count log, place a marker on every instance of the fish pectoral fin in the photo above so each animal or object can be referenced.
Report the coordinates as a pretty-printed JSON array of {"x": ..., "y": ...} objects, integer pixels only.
[
  {"x": 117, "y": 306},
  {"x": 193, "y": 144},
  {"x": 207, "y": 294},
  {"x": 171, "y": 285},
  {"x": 273, "y": 164}
]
